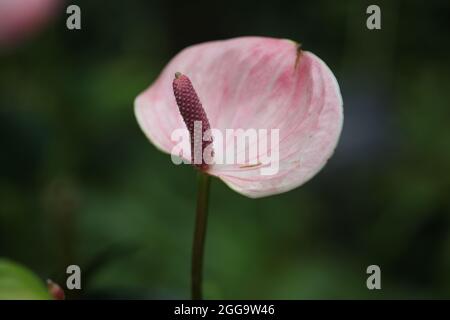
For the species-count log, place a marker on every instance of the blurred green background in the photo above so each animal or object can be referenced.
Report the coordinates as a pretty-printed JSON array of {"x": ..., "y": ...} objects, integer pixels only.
[{"x": 80, "y": 183}]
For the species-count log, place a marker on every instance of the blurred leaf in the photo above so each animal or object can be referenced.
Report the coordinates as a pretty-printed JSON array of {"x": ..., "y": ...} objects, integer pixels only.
[{"x": 19, "y": 283}]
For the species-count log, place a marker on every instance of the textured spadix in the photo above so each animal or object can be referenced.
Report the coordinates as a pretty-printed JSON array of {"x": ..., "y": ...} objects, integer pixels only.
[
  {"x": 192, "y": 111},
  {"x": 259, "y": 83}
]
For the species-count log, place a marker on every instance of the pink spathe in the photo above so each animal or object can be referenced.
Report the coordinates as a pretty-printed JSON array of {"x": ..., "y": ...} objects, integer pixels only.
[{"x": 259, "y": 83}]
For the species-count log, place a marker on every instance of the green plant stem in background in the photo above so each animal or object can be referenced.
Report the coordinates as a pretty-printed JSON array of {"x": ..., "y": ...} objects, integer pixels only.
[{"x": 199, "y": 234}]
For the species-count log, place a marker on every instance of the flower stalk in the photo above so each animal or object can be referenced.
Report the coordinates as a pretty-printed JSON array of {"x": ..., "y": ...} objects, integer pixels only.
[{"x": 198, "y": 246}]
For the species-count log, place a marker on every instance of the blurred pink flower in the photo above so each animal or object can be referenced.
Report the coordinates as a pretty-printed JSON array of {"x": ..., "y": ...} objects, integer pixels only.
[
  {"x": 21, "y": 18},
  {"x": 253, "y": 82}
]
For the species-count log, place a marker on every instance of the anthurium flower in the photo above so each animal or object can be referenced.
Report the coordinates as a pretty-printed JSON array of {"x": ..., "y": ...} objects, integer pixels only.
[
  {"x": 21, "y": 18},
  {"x": 252, "y": 82}
]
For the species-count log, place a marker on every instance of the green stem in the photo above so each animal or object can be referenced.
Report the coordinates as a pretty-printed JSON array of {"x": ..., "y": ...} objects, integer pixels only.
[{"x": 199, "y": 234}]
